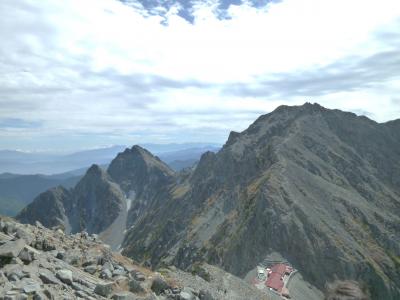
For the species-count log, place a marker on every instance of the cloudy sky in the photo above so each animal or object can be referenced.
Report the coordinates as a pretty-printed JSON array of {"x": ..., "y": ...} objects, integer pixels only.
[{"x": 78, "y": 74}]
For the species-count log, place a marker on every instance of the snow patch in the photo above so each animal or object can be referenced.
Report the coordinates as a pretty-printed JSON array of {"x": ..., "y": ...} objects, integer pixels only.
[
  {"x": 130, "y": 197},
  {"x": 128, "y": 204}
]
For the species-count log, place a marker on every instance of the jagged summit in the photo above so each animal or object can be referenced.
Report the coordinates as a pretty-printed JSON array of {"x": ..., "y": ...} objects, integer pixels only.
[
  {"x": 136, "y": 168},
  {"x": 47, "y": 207},
  {"x": 139, "y": 155},
  {"x": 95, "y": 175},
  {"x": 92, "y": 205},
  {"x": 95, "y": 170}
]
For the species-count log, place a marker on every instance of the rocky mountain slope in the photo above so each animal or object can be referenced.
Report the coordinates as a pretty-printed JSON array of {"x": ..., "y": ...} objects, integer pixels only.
[
  {"x": 17, "y": 191},
  {"x": 104, "y": 202},
  {"x": 40, "y": 263},
  {"x": 320, "y": 187},
  {"x": 93, "y": 205},
  {"x": 143, "y": 177}
]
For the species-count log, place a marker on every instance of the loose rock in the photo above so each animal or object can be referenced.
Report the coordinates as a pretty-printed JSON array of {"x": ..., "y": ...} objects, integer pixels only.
[
  {"x": 26, "y": 255},
  {"x": 135, "y": 286},
  {"x": 12, "y": 248},
  {"x": 48, "y": 277},
  {"x": 65, "y": 276},
  {"x": 124, "y": 296},
  {"x": 104, "y": 290},
  {"x": 159, "y": 285},
  {"x": 90, "y": 269}
]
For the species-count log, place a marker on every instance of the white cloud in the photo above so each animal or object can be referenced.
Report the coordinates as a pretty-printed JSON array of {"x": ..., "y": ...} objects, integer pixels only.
[{"x": 102, "y": 67}]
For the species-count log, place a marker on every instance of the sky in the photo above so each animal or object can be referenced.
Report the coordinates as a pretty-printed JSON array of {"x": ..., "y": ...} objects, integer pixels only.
[{"x": 82, "y": 74}]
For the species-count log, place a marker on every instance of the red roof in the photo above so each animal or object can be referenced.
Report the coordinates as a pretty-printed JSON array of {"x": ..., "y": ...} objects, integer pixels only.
[
  {"x": 275, "y": 281},
  {"x": 279, "y": 268}
]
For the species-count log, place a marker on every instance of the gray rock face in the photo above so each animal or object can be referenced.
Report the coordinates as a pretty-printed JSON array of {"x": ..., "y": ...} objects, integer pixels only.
[
  {"x": 141, "y": 176},
  {"x": 205, "y": 295},
  {"x": 100, "y": 201},
  {"x": 92, "y": 205},
  {"x": 104, "y": 289},
  {"x": 12, "y": 249},
  {"x": 48, "y": 208},
  {"x": 106, "y": 274},
  {"x": 26, "y": 255},
  {"x": 91, "y": 269},
  {"x": 321, "y": 187},
  {"x": 97, "y": 202},
  {"x": 184, "y": 295},
  {"x": 137, "y": 275},
  {"x": 137, "y": 169},
  {"x": 124, "y": 296},
  {"x": 159, "y": 285},
  {"x": 135, "y": 286},
  {"x": 65, "y": 276},
  {"x": 29, "y": 286},
  {"x": 48, "y": 277}
]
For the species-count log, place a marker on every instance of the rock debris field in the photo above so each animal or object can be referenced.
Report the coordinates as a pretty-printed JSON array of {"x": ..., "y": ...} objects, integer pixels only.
[{"x": 39, "y": 263}]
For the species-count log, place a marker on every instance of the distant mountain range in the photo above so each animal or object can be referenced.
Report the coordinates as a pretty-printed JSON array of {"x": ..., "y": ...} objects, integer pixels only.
[
  {"x": 17, "y": 190},
  {"x": 25, "y": 163},
  {"x": 319, "y": 187}
]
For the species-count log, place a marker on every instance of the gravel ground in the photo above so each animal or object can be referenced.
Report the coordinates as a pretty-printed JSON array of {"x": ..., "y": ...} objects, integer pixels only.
[{"x": 223, "y": 286}]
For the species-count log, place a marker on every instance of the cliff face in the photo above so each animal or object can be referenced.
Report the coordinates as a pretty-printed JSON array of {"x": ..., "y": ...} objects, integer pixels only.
[
  {"x": 143, "y": 178},
  {"x": 319, "y": 186},
  {"x": 92, "y": 205},
  {"x": 97, "y": 201},
  {"x": 137, "y": 170},
  {"x": 47, "y": 207},
  {"x": 104, "y": 202}
]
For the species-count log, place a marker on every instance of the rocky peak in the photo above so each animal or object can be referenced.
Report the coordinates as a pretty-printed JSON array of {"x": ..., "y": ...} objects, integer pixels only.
[
  {"x": 93, "y": 205},
  {"x": 136, "y": 168},
  {"x": 233, "y": 135},
  {"x": 95, "y": 170},
  {"x": 318, "y": 186},
  {"x": 97, "y": 202},
  {"x": 47, "y": 207},
  {"x": 95, "y": 175}
]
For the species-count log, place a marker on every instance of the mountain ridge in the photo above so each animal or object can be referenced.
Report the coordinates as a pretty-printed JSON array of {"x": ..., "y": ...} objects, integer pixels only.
[
  {"x": 245, "y": 199},
  {"x": 318, "y": 186}
]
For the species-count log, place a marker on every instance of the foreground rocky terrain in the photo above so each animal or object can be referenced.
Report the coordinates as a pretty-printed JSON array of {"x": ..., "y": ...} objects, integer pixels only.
[
  {"x": 40, "y": 263},
  {"x": 320, "y": 187}
]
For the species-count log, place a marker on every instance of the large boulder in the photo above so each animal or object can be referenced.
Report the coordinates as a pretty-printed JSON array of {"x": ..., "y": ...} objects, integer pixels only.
[
  {"x": 135, "y": 286},
  {"x": 159, "y": 285},
  {"x": 104, "y": 289},
  {"x": 48, "y": 277},
  {"x": 65, "y": 276},
  {"x": 12, "y": 248}
]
